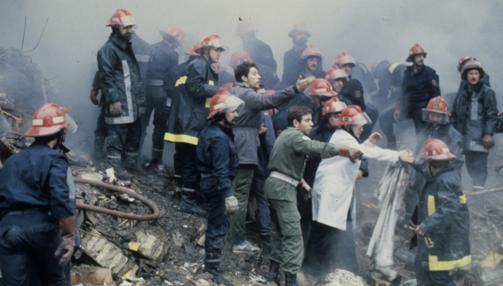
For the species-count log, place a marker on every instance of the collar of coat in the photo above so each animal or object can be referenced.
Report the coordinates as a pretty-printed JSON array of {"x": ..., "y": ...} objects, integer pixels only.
[{"x": 122, "y": 44}]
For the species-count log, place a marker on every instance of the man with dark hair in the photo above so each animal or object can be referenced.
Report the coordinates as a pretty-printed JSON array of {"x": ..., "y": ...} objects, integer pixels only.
[
  {"x": 248, "y": 89},
  {"x": 194, "y": 88},
  {"x": 286, "y": 164},
  {"x": 123, "y": 92}
]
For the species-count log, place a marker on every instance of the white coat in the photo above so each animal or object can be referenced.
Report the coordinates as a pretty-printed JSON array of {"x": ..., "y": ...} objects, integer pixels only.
[{"x": 335, "y": 179}]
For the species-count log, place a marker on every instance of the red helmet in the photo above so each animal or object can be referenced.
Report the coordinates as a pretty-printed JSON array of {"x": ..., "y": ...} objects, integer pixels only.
[
  {"x": 436, "y": 106},
  {"x": 122, "y": 18},
  {"x": 176, "y": 33},
  {"x": 353, "y": 115},
  {"x": 333, "y": 105},
  {"x": 436, "y": 149},
  {"x": 192, "y": 52},
  {"x": 320, "y": 87},
  {"x": 462, "y": 61},
  {"x": 223, "y": 101},
  {"x": 211, "y": 41},
  {"x": 49, "y": 119},
  {"x": 344, "y": 58},
  {"x": 471, "y": 65},
  {"x": 335, "y": 73},
  {"x": 416, "y": 49},
  {"x": 238, "y": 58},
  {"x": 310, "y": 51}
]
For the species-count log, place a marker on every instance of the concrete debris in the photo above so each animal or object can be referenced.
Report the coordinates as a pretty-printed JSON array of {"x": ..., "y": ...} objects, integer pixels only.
[
  {"x": 103, "y": 252},
  {"x": 91, "y": 275},
  {"x": 177, "y": 238},
  {"x": 149, "y": 245},
  {"x": 344, "y": 278},
  {"x": 110, "y": 175}
]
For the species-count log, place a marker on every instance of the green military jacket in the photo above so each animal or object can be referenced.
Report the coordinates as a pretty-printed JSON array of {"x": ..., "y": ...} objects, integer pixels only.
[{"x": 288, "y": 157}]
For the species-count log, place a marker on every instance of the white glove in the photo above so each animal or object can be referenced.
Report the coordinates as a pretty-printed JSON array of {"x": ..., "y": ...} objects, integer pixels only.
[{"x": 231, "y": 204}]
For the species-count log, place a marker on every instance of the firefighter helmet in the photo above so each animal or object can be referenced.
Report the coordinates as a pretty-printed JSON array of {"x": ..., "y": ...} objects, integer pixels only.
[
  {"x": 335, "y": 73},
  {"x": 334, "y": 105},
  {"x": 49, "y": 119},
  {"x": 310, "y": 51},
  {"x": 177, "y": 33},
  {"x": 437, "y": 107},
  {"x": 416, "y": 49},
  {"x": 471, "y": 65},
  {"x": 122, "y": 18},
  {"x": 211, "y": 41},
  {"x": 320, "y": 87},
  {"x": 223, "y": 101},
  {"x": 353, "y": 115},
  {"x": 299, "y": 28},
  {"x": 436, "y": 149},
  {"x": 344, "y": 58}
]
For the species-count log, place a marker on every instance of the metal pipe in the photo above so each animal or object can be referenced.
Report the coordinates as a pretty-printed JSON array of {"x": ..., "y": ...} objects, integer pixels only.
[{"x": 153, "y": 206}]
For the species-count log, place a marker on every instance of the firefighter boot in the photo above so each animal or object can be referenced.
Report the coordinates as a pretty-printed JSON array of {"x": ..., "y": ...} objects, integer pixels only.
[
  {"x": 291, "y": 279},
  {"x": 273, "y": 274},
  {"x": 212, "y": 265}
]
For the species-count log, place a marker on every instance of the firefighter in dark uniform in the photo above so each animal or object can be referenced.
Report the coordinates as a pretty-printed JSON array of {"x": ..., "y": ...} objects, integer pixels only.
[
  {"x": 443, "y": 219},
  {"x": 123, "y": 91},
  {"x": 259, "y": 51},
  {"x": 218, "y": 162},
  {"x": 292, "y": 66},
  {"x": 352, "y": 92},
  {"x": 37, "y": 205},
  {"x": 286, "y": 164},
  {"x": 420, "y": 84},
  {"x": 194, "y": 89},
  {"x": 160, "y": 84},
  {"x": 475, "y": 115}
]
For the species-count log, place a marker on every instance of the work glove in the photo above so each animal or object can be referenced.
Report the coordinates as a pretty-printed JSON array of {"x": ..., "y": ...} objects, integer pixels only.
[
  {"x": 231, "y": 204},
  {"x": 406, "y": 156},
  {"x": 488, "y": 141},
  {"x": 116, "y": 108},
  {"x": 375, "y": 137},
  {"x": 93, "y": 96},
  {"x": 67, "y": 244},
  {"x": 303, "y": 83},
  {"x": 352, "y": 154}
]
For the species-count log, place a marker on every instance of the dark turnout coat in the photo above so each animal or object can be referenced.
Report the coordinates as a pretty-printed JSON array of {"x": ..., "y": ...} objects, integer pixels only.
[{"x": 193, "y": 90}]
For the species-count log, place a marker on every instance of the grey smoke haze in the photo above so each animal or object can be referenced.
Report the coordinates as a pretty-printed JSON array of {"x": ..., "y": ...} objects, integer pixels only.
[{"x": 370, "y": 30}]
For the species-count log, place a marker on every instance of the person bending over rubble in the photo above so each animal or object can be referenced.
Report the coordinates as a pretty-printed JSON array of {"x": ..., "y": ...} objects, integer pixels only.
[
  {"x": 334, "y": 186},
  {"x": 37, "y": 205},
  {"x": 443, "y": 219},
  {"x": 286, "y": 164},
  {"x": 218, "y": 162}
]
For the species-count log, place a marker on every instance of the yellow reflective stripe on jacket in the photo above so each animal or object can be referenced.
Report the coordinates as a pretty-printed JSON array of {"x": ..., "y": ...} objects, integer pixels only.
[
  {"x": 431, "y": 206},
  {"x": 392, "y": 67},
  {"x": 181, "y": 138},
  {"x": 207, "y": 103},
  {"x": 437, "y": 265},
  {"x": 210, "y": 82},
  {"x": 181, "y": 80}
]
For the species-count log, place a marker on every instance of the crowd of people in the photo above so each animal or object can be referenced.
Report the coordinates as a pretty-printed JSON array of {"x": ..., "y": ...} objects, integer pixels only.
[{"x": 286, "y": 153}]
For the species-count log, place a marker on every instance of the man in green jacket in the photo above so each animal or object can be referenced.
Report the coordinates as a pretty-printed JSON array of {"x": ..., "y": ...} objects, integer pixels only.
[{"x": 287, "y": 166}]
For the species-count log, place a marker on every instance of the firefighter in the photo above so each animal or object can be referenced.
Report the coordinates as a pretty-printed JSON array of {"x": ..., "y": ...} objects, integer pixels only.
[
  {"x": 218, "y": 162},
  {"x": 161, "y": 81},
  {"x": 292, "y": 66},
  {"x": 443, "y": 219},
  {"x": 248, "y": 89},
  {"x": 194, "y": 88},
  {"x": 475, "y": 115},
  {"x": 100, "y": 133},
  {"x": 287, "y": 166},
  {"x": 319, "y": 91},
  {"x": 334, "y": 185},
  {"x": 485, "y": 79},
  {"x": 311, "y": 59},
  {"x": 123, "y": 92},
  {"x": 337, "y": 78},
  {"x": 352, "y": 91},
  {"x": 37, "y": 204},
  {"x": 259, "y": 51},
  {"x": 420, "y": 84}
]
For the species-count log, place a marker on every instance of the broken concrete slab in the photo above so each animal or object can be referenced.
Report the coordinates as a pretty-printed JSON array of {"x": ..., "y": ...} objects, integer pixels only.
[
  {"x": 344, "y": 278},
  {"x": 148, "y": 245},
  {"x": 91, "y": 275},
  {"x": 105, "y": 253}
]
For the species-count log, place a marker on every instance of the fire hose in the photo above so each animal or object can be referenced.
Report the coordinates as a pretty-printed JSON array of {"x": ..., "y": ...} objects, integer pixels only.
[{"x": 153, "y": 215}]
